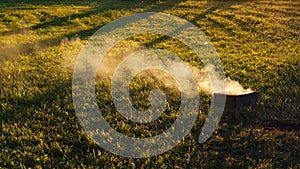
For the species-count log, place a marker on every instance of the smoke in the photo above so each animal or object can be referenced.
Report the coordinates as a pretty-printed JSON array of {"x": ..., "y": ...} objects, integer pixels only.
[
  {"x": 23, "y": 42},
  {"x": 120, "y": 52},
  {"x": 204, "y": 84},
  {"x": 12, "y": 48},
  {"x": 70, "y": 50},
  {"x": 72, "y": 47}
]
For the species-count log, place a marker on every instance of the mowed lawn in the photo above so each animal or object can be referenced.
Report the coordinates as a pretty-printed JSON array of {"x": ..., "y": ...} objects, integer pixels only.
[{"x": 258, "y": 42}]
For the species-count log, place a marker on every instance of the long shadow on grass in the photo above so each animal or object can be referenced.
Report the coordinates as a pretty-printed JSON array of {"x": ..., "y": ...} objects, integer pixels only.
[
  {"x": 101, "y": 8},
  {"x": 59, "y": 21},
  {"x": 213, "y": 6},
  {"x": 9, "y": 53},
  {"x": 12, "y": 52},
  {"x": 154, "y": 8}
]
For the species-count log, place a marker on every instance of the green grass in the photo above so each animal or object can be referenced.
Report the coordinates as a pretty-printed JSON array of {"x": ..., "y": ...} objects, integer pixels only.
[{"x": 257, "y": 41}]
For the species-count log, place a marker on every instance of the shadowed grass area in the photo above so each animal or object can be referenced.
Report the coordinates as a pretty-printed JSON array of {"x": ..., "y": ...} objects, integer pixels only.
[{"x": 257, "y": 41}]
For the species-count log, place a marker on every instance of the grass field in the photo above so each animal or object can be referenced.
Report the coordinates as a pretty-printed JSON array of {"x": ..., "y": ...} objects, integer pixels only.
[{"x": 258, "y": 42}]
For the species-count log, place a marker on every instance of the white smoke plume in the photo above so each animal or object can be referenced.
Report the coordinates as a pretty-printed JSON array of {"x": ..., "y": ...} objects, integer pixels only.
[
  {"x": 204, "y": 84},
  {"x": 121, "y": 51}
]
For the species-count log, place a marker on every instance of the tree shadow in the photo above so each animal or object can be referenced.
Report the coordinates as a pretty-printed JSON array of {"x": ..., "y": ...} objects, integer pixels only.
[
  {"x": 100, "y": 8},
  {"x": 212, "y": 7},
  {"x": 9, "y": 53}
]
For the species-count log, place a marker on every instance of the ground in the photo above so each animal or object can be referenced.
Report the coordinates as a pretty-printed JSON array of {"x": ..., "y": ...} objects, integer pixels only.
[{"x": 257, "y": 41}]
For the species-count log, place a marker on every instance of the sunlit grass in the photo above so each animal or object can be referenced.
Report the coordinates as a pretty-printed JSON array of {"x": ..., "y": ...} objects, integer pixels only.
[{"x": 257, "y": 41}]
